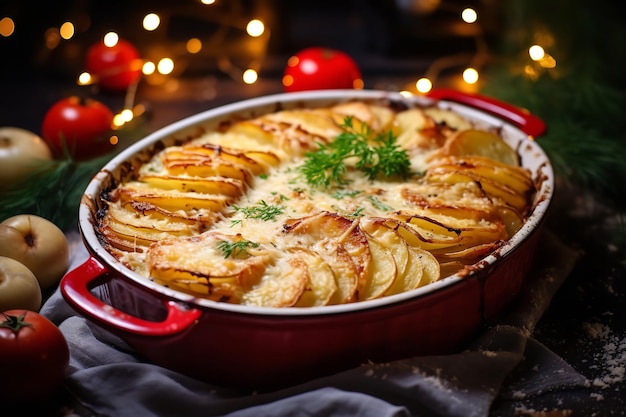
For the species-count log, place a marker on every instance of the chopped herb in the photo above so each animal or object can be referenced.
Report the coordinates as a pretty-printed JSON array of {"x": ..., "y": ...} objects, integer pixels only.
[
  {"x": 235, "y": 249},
  {"x": 358, "y": 212},
  {"x": 375, "y": 154},
  {"x": 376, "y": 202},
  {"x": 261, "y": 210},
  {"x": 338, "y": 195}
]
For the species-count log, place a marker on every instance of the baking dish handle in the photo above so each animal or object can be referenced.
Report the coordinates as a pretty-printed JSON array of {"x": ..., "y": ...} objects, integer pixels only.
[
  {"x": 75, "y": 288},
  {"x": 527, "y": 122}
]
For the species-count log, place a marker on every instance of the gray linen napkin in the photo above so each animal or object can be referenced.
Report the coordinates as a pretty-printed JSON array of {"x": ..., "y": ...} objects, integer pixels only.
[{"x": 108, "y": 379}]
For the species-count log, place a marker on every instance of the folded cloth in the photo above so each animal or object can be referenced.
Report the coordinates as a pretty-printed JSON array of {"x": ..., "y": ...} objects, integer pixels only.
[{"x": 108, "y": 379}]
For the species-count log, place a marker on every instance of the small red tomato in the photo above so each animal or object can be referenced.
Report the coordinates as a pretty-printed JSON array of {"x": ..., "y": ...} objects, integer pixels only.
[
  {"x": 321, "y": 68},
  {"x": 115, "y": 67},
  {"x": 80, "y": 125},
  {"x": 34, "y": 356}
]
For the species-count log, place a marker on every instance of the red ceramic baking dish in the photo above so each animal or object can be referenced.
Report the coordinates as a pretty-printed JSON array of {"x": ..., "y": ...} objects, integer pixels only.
[{"x": 263, "y": 348}]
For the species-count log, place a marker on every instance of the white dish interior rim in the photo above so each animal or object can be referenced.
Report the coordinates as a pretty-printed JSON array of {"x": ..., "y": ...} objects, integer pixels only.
[{"x": 539, "y": 163}]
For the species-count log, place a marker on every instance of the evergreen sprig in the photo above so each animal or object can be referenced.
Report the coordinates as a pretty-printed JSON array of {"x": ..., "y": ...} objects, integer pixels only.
[{"x": 53, "y": 191}]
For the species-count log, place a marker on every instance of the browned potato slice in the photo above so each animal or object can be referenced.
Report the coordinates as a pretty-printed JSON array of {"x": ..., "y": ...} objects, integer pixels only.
[
  {"x": 383, "y": 272},
  {"x": 152, "y": 224},
  {"x": 389, "y": 239},
  {"x": 137, "y": 193},
  {"x": 269, "y": 159},
  {"x": 252, "y": 136},
  {"x": 317, "y": 123},
  {"x": 122, "y": 241},
  {"x": 208, "y": 168},
  {"x": 481, "y": 143},
  {"x": 408, "y": 125},
  {"x": 491, "y": 187},
  {"x": 321, "y": 280},
  {"x": 231, "y": 155},
  {"x": 211, "y": 185},
  {"x": 516, "y": 178},
  {"x": 343, "y": 246},
  {"x": 196, "y": 262},
  {"x": 282, "y": 284},
  {"x": 141, "y": 233}
]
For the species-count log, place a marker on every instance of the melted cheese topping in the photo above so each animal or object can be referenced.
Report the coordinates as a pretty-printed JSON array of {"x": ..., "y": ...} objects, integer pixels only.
[{"x": 229, "y": 216}]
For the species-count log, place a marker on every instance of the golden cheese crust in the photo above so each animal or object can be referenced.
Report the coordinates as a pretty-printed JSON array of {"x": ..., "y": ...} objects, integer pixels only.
[{"x": 229, "y": 216}]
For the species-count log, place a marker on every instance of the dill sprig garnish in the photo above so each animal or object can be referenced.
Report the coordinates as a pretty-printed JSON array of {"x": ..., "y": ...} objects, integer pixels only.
[
  {"x": 236, "y": 248},
  {"x": 261, "y": 211},
  {"x": 374, "y": 154}
]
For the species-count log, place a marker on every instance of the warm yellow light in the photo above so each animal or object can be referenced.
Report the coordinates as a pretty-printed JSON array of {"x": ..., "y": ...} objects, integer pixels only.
[
  {"x": 207, "y": 1},
  {"x": 165, "y": 66},
  {"x": 469, "y": 15},
  {"x": 118, "y": 120},
  {"x": 111, "y": 39},
  {"x": 84, "y": 78},
  {"x": 255, "y": 28},
  {"x": 405, "y": 93},
  {"x": 7, "y": 27},
  {"x": 536, "y": 52},
  {"x": 547, "y": 61},
  {"x": 67, "y": 30},
  {"x": 424, "y": 85},
  {"x": 194, "y": 45},
  {"x": 114, "y": 140},
  {"x": 250, "y": 76},
  {"x": 470, "y": 76},
  {"x": 151, "y": 21},
  {"x": 126, "y": 115},
  {"x": 148, "y": 68}
]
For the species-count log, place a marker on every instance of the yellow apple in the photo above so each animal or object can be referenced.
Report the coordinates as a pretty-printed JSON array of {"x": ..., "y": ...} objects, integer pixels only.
[
  {"x": 37, "y": 243},
  {"x": 19, "y": 289},
  {"x": 21, "y": 152}
]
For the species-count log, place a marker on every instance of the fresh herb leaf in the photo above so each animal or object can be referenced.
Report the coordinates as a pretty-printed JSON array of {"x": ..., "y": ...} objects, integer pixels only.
[
  {"x": 377, "y": 203},
  {"x": 235, "y": 249},
  {"x": 358, "y": 212},
  {"x": 338, "y": 195},
  {"x": 261, "y": 210},
  {"x": 375, "y": 153}
]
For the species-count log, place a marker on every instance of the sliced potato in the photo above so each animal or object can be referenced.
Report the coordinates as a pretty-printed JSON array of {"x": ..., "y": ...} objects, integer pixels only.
[
  {"x": 282, "y": 284},
  {"x": 137, "y": 193},
  {"x": 321, "y": 280},
  {"x": 431, "y": 270},
  {"x": 382, "y": 274},
  {"x": 209, "y": 185},
  {"x": 197, "y": 262},
  {"x": 412, "y": 276},
  {"x": 390, "y": 239},
  {"x": 343, "y": 246},
  {"x": 479, "y": 143}
]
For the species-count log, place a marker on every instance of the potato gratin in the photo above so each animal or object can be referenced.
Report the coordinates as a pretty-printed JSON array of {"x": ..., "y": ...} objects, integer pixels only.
[{"x": 312, "y": 207}]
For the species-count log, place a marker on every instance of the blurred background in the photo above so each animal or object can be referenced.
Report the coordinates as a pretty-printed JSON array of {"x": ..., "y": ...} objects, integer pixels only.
[
  {"x": 205, "y": 47},
  {"x": 562, "y": 60}
]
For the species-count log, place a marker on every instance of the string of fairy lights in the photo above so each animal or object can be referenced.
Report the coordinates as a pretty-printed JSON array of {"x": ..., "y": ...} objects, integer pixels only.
[{"x": 471, "y": 65}]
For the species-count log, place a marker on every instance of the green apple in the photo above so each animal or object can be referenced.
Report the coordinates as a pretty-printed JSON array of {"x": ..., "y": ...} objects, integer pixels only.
[
  {"x": 19, "y": 289},
  {"x": 21, "y": 153},
  {"x": 37, "y": 243}
]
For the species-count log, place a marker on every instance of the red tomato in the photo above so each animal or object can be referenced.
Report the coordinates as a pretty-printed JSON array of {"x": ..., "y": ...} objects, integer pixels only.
[
  {"x": 321, "y": 68},
  {"x": 34, "y": 356},
  {"x": 83, "y": 126},
  {"x": 115, "y": 67}
]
